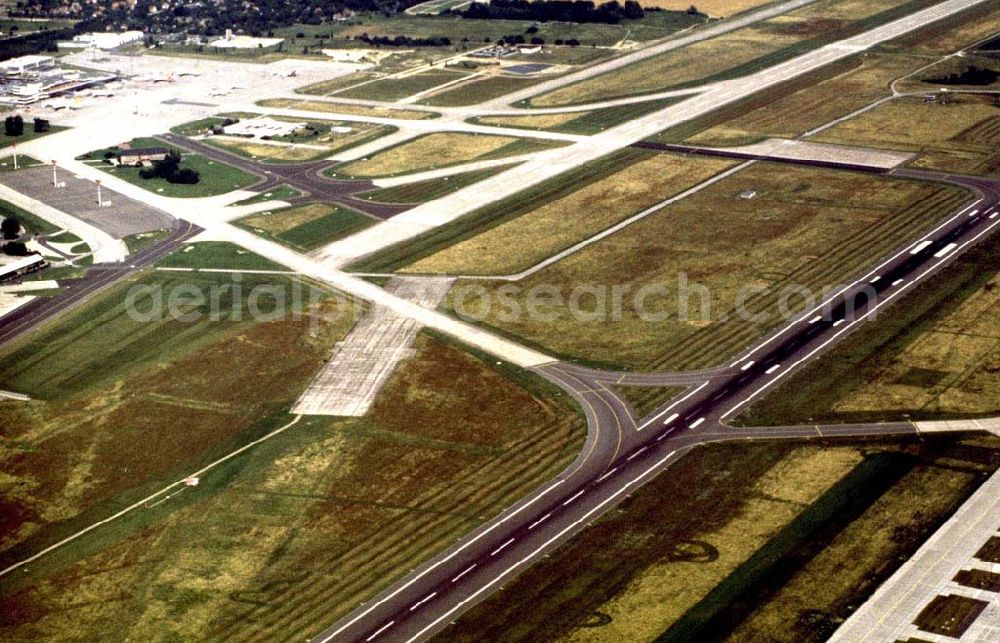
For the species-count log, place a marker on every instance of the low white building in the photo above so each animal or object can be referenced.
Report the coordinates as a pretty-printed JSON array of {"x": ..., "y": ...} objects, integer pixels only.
[
  {"x": 262, "y": 127},
  {"x": 25, "y": 64},
  {"x": 102, "y": 40},
  {"x": 231, "y": 41}
]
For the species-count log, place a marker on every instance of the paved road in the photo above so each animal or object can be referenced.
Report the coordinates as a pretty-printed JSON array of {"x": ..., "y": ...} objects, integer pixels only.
[
  {"x": 305, "y": 177},
  {"x": 550, "y": 164},
  {"x": 621, "y": 452},
  {"x": 98, "y": 278}
]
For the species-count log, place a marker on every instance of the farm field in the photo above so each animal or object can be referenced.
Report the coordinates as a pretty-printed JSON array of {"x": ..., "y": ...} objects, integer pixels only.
[
  {"x": 936, "y": 357},
  {"x": 727, "y": 273},
  {"x": 306, "y": 227},
  {"x": 824, "y": 518},
  {"x": 344, "y": 108},
  {"x": 546, "y": 228},
  {"x": 433, "y": 151},
  {"x": 450, "y": 441}
]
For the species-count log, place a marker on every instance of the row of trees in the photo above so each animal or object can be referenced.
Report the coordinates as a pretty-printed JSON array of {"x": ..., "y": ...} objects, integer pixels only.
[{"x": 554, "y": 10}]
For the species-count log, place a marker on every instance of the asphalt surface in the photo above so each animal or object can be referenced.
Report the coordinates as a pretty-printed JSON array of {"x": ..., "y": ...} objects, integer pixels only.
[
  {"x": 622, "y": 452},
  {"x": 305, "y": 177},
  {"x": 98, "y": 278}
]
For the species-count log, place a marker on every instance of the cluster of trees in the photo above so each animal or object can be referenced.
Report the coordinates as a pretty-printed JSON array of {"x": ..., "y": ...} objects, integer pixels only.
[
  {"x": 206, "y": 18},
  {"x": 170, "y": 169},
  {"x": 14, "y": 125},
  {"x": 971, "y": 75},
  {"x": 554, "y": 10},
  {"x": 404, "y": 41},
  {"x": 10, "y": 228}
]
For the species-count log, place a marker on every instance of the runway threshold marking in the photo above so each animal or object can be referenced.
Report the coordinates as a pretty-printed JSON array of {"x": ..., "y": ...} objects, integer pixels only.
[
  {"x": 696, "y": 423},
  {"x": 920, "y": 247},
  {"x": 945, "y": 250},
  {"x": 772, "y": 369}
]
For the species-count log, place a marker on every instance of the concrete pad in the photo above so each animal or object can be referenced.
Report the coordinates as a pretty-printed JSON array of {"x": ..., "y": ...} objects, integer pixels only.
[
  {"x": 807, "y": 151},
  {"x": 888, "y": 615},
  {"x": 9, "y": 303},
  {"x": 363, "y": 362},
  {"x": 28, "y": 286},
  {"x": 986, "y": 424},
  {"x": 78, "y": 198}
]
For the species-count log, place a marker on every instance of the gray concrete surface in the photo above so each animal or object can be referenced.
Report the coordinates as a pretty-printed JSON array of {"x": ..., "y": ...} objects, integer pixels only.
[
  {"x": 888, "y": 615},
  {"x": 78, "y": 198},
  {"x": 363, "y": 362}
]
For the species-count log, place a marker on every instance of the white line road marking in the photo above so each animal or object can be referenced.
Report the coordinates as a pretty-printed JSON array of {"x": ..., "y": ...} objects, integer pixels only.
[
  {"x": 574, "y": 497},
  {"x": 876, "y": 279},
  {"x": 607, "y": 475},
  {"x": 747, "y": 365},
  {"x": 868, "y": 276},
  {"x": 973, "y": 213},
  {"x": 636, "y": 454},
  {"x": 501, "y": 547},
  {"x": 945, "y": 250},
  {"x": 671, "y": 419},
  {"x": 920, "y": 246},
  {"x": 874, "y": 309},
  {"x": 994, "y": 215},
  {"x": 380, "y": 630},
  {"x": 423, "y": 600},
  {"x": 696, "y": 423},
  {"x": 897, "y": 282},
  {"x": 815, "y": 319},
  {"x": 546, "y": 516},
  {"x": 669, "y": 408},
  {"x": 444, "y": 560},
  {"x": 838, "y": 323},
  {"x": 464, "y": 572},
  {"x": 772, "y": 369},
  {"x": 542, "y": 547}
]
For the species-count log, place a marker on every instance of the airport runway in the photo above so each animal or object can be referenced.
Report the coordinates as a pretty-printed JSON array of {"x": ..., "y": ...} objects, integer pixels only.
[
  {"x": 98, "y": 278},
  {"x": 621, "y": 452},
  {"x": 305, "y": 177}
]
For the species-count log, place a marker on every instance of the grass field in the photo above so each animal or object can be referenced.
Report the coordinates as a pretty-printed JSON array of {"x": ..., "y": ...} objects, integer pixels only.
[
  {"x": 960, "y": 135},
  {"x": 433, "y": 151},
  {"x": 268, "y": 152},
  {"x": 296, "y": 532},
  {"x": 858, "y": 84},
  {"x": 392, "y": 89},
  {"x": 646, "y": 399},
  {"x": 29, "y": 134},
  {"x": 780, "y": 514},
  {"x": 717, "y": 253},
  {"x": 936, "y": 357},
  {"x": 137, "y": 398},
  {"x": 327, "y": 87},
  {"x": 423, "y": 191},
  {"x": 198, "y": 127},
  {"x": 306, "y": 227},
  {"x": 218, "y": 255},
  {"x": 33, "y": 223},
  {"x": 548, "y": 227},
  {"x": 344, "y": 108},
  {"x": 280, "y": 193},
  {"x": 714, "y": 8},
  {"x": 738, "y": 53},
  {"x": 592, "y": 122},
  {"x": 215, "y": 178},
  {"x": 479, "y": 90}
]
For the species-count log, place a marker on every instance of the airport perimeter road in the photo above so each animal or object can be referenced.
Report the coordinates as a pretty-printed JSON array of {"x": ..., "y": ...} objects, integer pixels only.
[
  {"x": 552, "y": 163},
  {"x": 99, "y": 277},
  {"x": 621, "y": 454}
]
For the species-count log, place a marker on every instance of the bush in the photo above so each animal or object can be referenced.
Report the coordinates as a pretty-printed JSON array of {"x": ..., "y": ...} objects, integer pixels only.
[
  {"x": 10, "y": 228},
  {"x": 16, "y": 249}
]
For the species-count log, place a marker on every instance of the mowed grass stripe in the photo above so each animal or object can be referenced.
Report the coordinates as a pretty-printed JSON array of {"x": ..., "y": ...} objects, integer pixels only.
[
  {"x": 714, "y": 344},
  {"x": 421, "y": 537}
]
